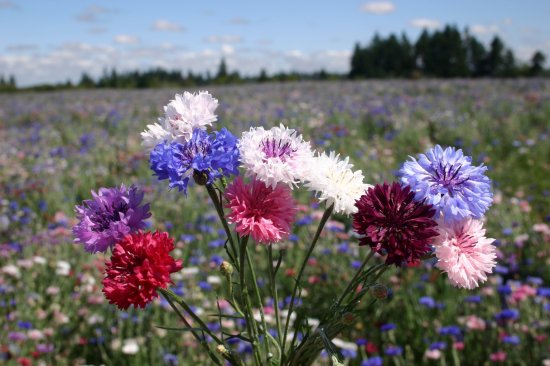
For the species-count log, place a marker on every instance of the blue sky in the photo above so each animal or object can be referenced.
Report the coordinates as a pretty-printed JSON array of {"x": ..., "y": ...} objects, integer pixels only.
[{"x": 55, "y": 40}]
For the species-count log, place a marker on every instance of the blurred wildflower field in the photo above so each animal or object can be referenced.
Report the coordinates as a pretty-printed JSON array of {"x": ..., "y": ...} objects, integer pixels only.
[{"x": 57, "y": 147}]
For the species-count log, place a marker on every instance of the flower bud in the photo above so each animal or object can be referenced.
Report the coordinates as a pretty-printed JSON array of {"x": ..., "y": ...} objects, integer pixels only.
[
  {"x": 379, "y": 291},
  {"x": 222, "y": 350},
  {"x": 226, "y": 269},
  {"x": 348, "y": 318},
  {"x": 200, "y": 178}
]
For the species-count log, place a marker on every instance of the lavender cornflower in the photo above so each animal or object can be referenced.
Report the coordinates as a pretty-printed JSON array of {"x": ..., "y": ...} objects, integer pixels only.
[
  {"x": 204, "y": 156},
  {"x": 448, "y": 180},
  {"x": 109, "y": 216}
]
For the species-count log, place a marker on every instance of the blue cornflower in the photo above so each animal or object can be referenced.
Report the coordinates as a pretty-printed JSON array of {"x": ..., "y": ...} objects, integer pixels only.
[
  {"x": 373, "y": 361},
  {"x": 170, "y": 359},
  {"x": 427, "y": 302},
  {"x": 349, "y": 353},
  {"x": 205, "y": 156},
  {"x": 393, "y": 350},
  {"x": 511, "y": 339},
  {"x": 476, "y": 299},
  {"x": 438, "y": 345},
  {"x": 507, "y": 314},
  {"x": 387, "y": 327},
  {"x": 543, "y": 291},
  {"x": 504, "y": 289},
  {"x": 452, "y": 330},
  {"x": 448, "y": 180}
]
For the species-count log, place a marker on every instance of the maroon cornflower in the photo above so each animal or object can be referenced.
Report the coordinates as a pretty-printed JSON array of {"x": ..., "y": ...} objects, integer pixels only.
[
  {"x": 393, "y": 224},
  {"x": 140, "y": 263}
]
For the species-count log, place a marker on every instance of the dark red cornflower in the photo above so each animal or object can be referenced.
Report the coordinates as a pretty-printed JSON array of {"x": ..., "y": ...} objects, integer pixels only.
[
  {"x": 140, "y": 263},
  {"x": 392, "y": 223}
]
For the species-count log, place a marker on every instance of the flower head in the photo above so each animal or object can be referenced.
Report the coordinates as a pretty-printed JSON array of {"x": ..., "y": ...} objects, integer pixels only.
[
  {"x": 205, "y": 155},
  {"x": 182, "y": 116},
  {"x": 393, "y": 223},
  {"x": 335, "y": 182},
  {"x": 448, "y": 180},
  {"x": 261, "y": 211},
  {"x": 140, "y": 264},
  {"x": 278, "y": 155},
  {"x": 465, "y": 253},
  {"x": 109, "y": 216}
]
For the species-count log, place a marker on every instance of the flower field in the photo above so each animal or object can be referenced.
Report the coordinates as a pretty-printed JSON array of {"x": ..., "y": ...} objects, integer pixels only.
[{"x": 58, "y": 147}]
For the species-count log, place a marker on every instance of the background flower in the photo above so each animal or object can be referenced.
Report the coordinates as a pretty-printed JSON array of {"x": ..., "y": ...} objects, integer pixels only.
[
  {"x": 465, "y": 253},
  {"x": 261, "y": 211},
  {"x": 109, "y": 216},
  {"x": 393, "y": 223},
  {"x": 447, "y": 179},
  {"x": 140, "y": 263}
]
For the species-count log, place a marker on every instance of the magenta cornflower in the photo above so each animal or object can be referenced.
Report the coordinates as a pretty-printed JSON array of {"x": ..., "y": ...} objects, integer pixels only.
[
  {"x": 140, "y": 264},
  {"x": 261, "y": 211},
  {"x": 465, "y": 253},
  {"x": 392, "y": 223}
]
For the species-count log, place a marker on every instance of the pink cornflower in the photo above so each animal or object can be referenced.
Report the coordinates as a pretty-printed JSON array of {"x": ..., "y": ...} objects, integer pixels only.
[
  {"x": 261, "y": 211},
  {"x": 464, "y": 252},
  {"x": 499, "y": 356}
]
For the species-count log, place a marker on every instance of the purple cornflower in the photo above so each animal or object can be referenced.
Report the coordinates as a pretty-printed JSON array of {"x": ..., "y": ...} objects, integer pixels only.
[
  {"x": 387, "y": 327},
  {"x": 205, "y": 156},
  {"x": 452, "y": 330},
  {"x": 438, "y": 346},
  {"x": 511, "y": 339},
  {"x": 507, "y": 314},
  {"x": 427, "y": 302},
  {"x": 448, "y": 180},
  {"x": 112, "y": 214}
]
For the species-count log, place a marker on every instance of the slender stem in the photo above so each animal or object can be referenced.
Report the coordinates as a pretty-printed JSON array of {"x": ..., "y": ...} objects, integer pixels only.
[
  {"x": 168, "y": 295},
  {"x": 322, "y": 223},
  {"x": 352, "y": 283},
  {"x": 274, "y": 294},
  {"x": 219, "y": 210},
  {"x": 249, "y": 316},
  {"x": 259, "y": 299}
]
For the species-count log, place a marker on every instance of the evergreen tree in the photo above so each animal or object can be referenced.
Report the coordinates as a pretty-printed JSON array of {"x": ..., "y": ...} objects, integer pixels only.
[{"x": 537, "y": 63}]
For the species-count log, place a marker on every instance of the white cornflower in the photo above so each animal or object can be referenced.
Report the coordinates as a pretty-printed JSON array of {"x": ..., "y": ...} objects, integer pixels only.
[
  {"x": 276, "y": 155},
  {"x": 334, "y": 182},
  {"x": 181, "y": 116}
]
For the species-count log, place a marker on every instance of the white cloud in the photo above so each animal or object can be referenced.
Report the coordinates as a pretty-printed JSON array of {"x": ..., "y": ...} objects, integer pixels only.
[
  {"x": 484, "y": 29},
  {"x": 93, "y": 14},
  {"x": 378, "y": 7},
  {"x": 126, "y": 39},
  {"x": 224, "y": 38},
  {"x": 165, "y": 25},
  {"x": 227, "y": 49},
  {"x": 425, "y": 23}
]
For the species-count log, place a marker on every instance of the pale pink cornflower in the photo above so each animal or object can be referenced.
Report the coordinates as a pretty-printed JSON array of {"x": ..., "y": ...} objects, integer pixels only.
[
  {"x": 266, "y": 213},
  {"x": 475, "y": 323},
  {"x": 464, "y": 253}
]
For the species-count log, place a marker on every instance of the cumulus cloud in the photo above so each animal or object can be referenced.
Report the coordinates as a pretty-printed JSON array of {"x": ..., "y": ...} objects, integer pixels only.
[
  {"x": 484, "y": 29},
  {"x": 425, "y": 23},
  {"x": 93, "y": 14},
  {"x": 165, "y": 25},
  {"x": 126, "y": 39},
  {"x": 378, "y": 7},
  {"x": 224, "y": 38}
]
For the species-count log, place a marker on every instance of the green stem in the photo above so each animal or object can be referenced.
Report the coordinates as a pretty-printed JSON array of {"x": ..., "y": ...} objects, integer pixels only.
[
  {"x": 274, "y": 294},
  {"x": 259, "y": 299},
  {"x": 245, "y": 298},
  {"x": 219, "y": 209},
  {"x": 352, "y": 285},
  {"x": 168, "y": 295},
  {"x": 322, "y": 223}
]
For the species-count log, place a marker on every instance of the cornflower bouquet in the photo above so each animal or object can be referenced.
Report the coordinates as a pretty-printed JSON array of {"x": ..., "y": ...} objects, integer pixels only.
[{"x": 434, "y": 211}]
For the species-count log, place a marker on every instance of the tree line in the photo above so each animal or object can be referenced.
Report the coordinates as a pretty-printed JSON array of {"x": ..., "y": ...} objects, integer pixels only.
[{"x": 445, "y": 53}]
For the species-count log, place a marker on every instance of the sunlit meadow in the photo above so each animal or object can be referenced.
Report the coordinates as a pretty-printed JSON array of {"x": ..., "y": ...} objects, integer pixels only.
[{"x": 57, "y": 147}]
